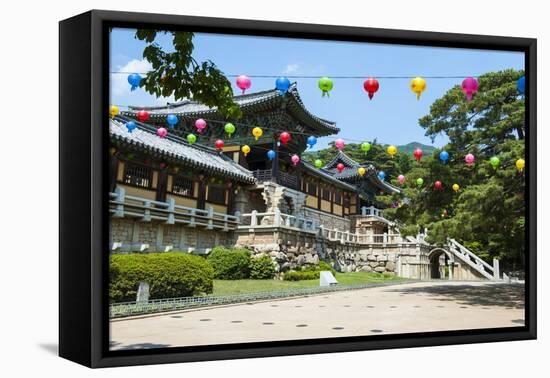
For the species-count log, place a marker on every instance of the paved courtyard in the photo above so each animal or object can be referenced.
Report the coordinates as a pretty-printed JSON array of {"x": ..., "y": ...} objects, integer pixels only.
[{"x": 412, "y": 307}]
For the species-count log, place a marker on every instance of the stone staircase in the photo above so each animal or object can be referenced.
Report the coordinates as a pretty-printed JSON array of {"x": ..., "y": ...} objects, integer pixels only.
[{"x": 475, "y": 262}]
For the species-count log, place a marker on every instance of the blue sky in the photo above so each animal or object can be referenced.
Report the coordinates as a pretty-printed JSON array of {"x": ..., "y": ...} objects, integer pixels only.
[{"x": 391, "y": 117}]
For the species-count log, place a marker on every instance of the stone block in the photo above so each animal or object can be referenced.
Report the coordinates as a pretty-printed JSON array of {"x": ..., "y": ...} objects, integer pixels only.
[
  {"x": 390, "y": 266},
  {"x": 382, "y": 258},
  {"x": 373, "y": 264},
  {"x": 371, "y": 257},
  {"x": 380, "y": 269},
  {"x": 366, "y": 268}
]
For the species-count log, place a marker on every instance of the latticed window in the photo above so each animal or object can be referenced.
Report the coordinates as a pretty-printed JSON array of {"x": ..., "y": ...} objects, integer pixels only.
[
  {"x": 346, "y": 201},
  {"x": 338, "y": 197},
  {"x": 216, "y": 194},
  {"x": 138, "y": 175},
  {"x": 326, "y": 194},
  {"x": 182, "y": 186},
  {"x": 311, "y": 189}
]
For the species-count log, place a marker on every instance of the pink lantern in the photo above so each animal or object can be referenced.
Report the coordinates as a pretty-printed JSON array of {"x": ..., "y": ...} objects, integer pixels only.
[
  {"x": 339, "y": 143},
  {"x": 401, "y": 179},
  {"x": 469, "y": 159},
  {"x": 200, "y": 124},
  {"x": 162, "y": 132},
  {"x": 243, "y": 82},
  {"x": 469, "y": 87},
  {"x": 295, "y": 159}
]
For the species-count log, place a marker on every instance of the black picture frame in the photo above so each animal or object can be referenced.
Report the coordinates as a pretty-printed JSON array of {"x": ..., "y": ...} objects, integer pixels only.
[{"x": 84, "y": 181}]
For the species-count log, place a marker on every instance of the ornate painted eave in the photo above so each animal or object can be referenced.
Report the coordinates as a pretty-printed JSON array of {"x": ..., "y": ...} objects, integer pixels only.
[
  {"x": 327, "y": 176},
  {"x": 341, "y": 157},
  {"x": 177, "y": 150},
  {"x": 249, "y": 103}
]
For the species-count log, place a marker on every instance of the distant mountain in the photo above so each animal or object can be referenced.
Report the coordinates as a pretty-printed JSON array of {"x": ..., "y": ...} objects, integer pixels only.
[{"x": 410, "y": 147}]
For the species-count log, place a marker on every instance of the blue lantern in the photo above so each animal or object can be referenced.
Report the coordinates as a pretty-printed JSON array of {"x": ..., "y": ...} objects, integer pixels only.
[
  {"x": 282, "y": 84},
  {"x": 521, "y": 85},
  {"x": 271, "y": 154},
  {"x": 172, "y": 120},
  {"x": 134, "y": 80},
  {"x": 131, "y": 126},
  {"x": 444, "y": 156},
  {"x": 311, "y": 141},
  {"x": 381, "y": 175}
]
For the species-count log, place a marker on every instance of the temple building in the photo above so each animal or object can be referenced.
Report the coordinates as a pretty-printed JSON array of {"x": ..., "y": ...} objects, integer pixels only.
[{"x": 167, "y": 194}]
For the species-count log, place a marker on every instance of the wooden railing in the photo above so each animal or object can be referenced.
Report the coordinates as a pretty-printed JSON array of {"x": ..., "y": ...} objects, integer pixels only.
[
  {"x": 283, "y": 178},
  {"x": 146, "y": 210}
]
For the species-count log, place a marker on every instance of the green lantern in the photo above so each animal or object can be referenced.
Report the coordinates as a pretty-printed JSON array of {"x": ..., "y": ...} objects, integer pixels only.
[
  {"x": 325, "y": 85},
  {"x": 365, "y": 147},
  {"x": 419, "y": 181},
  {"x": 318, "y": 163},
  {"x": 191, "y": 138},
  {"x": 495, "y": 162},
  {"x": 229, "y": 129}
]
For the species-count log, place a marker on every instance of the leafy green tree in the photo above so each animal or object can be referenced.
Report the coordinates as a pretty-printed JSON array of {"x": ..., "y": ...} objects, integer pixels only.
[{"x": 177, "y": 73}]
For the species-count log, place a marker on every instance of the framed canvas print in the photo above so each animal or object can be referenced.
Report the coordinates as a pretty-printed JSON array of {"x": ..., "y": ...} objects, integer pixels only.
[{"x": 234, "y": 188}]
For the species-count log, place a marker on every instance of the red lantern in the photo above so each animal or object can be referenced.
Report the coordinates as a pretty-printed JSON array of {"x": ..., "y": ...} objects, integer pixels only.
[
  {"x": 340, "y": 167},
  {"x": 219, "y": 144},
  {"x": 371, "y": 85},
  {"x": 417, "y": 154},
  {"x": 143, "y": 115},
  {"x": 284, "y": 137},
  {"x": 438, "y": 185}
]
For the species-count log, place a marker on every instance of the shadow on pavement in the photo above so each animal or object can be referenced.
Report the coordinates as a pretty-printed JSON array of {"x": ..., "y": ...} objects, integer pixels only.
[
  {"x": 116, "y": 345},
  {"x": 503, "y": 295}
]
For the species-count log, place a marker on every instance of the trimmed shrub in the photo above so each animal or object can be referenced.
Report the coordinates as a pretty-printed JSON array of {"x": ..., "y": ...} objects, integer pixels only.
[
  {"x": 323, "y": 265},
  {"x": 311, "y": 272},
  {"x": 262, "y": 268},
  {"x": 169, "y": 275},
  {"x": 230, "y": 264}
]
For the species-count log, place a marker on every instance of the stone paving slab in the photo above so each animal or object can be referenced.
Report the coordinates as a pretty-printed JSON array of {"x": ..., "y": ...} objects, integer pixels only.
[{"x": 405, "y": 308}]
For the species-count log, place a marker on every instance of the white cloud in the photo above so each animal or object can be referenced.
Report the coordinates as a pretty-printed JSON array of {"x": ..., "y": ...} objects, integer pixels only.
[
  {"x": 291, "y": 68},
  {"x": 119, "y": 81}
]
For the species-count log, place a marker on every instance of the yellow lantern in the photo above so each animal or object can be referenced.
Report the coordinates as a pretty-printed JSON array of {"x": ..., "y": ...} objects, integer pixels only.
[
  {"x": 418, "y": 85},
  {"x": 257, "y": 132},
  {"x": 245, "y": 149},
  {"x": 361, "y": 171},
  {"x": 520, "y": 164},
  {"x": 392, "y": 150},
  {"x": 456, "y": 187},
  {"x": 113, "y": 111}
]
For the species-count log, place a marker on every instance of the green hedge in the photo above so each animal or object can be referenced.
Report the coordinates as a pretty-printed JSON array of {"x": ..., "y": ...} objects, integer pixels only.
[
  {"x": 169, "y": 275},
  {"x": 262, "y": 268},
  {"x": 230, "y": 264},
  {"x": 309, "y": 273}
]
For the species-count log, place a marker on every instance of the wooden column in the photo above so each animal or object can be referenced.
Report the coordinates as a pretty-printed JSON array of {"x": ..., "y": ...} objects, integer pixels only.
[
  {"x": 332, "y": 193},
  {"x": 201, "y": 196},
  {"x": 230, "y": 197},
  {"x": 162, "y": 185},
  {"x": 113, "y": 172},
  {"x": 275, "y": 163},
  {"x": 319, "y": 194}
]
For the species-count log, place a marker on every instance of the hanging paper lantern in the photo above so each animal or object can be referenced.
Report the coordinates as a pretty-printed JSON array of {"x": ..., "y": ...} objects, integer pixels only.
[
  {"x": 495, "y": 162},
  {"x": 469, "y": 87},
  {"x": 245, "y": 149},
  {"x": 371, "y": 86},
  {"x": 257, "y": 132},
  {"x": 134, "y": 80},
  {"x": 365, "y": 147},
  {"x": 469, "y": 159},
  {"x": 391, "y": 150},
  {"x": 417, "y": 154},
  {"x": 381, "y": 175},
  {"x": 284, "y": 137},
  {"x": 401, "y": 179},
  {"x": 271, "y": 155},
  {"x": 339, "y": 144},
  {"x": 325, "y": 85},
  {"x": 172, "y": 120},
  {"x": 340, "y": 167},
  {"x": 456, "y": 187},
  {"x": 438, "y": 185},
  {"x": 113, "y": 111},
  {"x": 200, "y": 125},
  {"x": 229, "y": 129},
  {"x": 318, "y": 163},
  {"x": 162, "y": 132},
  {"x": 419, "y": 181},
  {"x": 311, "y": 141},
  {"x": 520, "y": 164},
  {"x": 243, "y": 82},
  {"x": 521, "y": 85},
  {"x": 131, "y": 126},
  {"x": 219, "y": 144},
  {"x": 418, "y": 85},
  {"x": 295, "y": 159},
  {"x": 191, "y": 138},
  {"x": 282, "y": 84},
  {"x": 444, "y": 156},
  {"x": 143, "y": 115}
]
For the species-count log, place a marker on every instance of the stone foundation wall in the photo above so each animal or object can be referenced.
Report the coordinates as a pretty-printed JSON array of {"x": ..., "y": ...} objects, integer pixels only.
[{"x": 327, "y": 220}]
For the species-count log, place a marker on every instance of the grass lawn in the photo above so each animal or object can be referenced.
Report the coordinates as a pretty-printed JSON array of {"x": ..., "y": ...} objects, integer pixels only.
[{"x": 223, "y": 287}]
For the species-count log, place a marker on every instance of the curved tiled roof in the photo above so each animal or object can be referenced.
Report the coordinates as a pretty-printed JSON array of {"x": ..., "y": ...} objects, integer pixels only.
[
  {"x": 272, "y": 98},
  {"x": 176, "y": 149}
]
